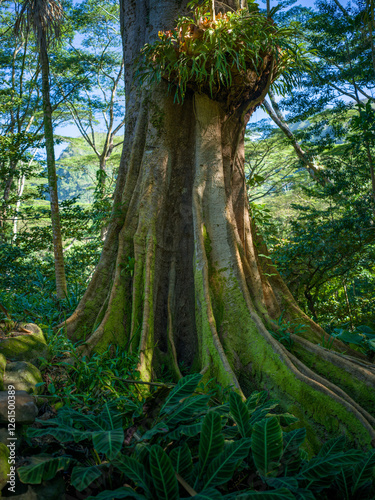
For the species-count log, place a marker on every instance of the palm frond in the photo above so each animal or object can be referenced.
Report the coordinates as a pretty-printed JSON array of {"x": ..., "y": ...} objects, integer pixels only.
[{"x": 43, "y": 17}]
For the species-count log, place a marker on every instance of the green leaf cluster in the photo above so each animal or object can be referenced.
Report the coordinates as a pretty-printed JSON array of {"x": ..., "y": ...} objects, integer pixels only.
[{"x": 207, "y": 53}]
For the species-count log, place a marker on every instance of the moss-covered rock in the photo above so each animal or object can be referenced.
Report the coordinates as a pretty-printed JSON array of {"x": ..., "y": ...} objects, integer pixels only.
[
  {"x": 23, "y": 376},
  {"x": 4, "y": 465},
  {"x": 28, "y": 346},
  {"x": 3, "y": 363}
]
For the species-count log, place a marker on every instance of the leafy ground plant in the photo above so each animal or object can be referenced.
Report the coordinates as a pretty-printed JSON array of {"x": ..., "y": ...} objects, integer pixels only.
[
  {"x": 283, "y": 331},
  {"x": 362, "y": 338},
  {"x": 182, "y": 445},
  {"x": 88, "y": 383}
]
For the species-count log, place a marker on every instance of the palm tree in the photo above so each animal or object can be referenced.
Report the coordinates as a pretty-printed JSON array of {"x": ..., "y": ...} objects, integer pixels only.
[{"x": 44, "y": 18}]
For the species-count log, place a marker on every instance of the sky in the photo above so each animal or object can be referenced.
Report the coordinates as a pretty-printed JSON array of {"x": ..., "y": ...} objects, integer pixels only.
[{"x": 70, "y": 130}]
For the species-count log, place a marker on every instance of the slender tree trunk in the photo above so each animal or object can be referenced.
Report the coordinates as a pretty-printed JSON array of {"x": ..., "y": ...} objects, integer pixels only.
[
  {"x": 21, "y": 185},
  {"x": 61, "y": 288},
  {"x": 203, "y": 291}
]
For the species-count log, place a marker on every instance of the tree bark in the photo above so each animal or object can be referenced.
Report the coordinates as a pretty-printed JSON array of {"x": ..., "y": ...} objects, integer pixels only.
[
  {"x": 202, "y": 291},
  {"x": 61, "y": 287}
]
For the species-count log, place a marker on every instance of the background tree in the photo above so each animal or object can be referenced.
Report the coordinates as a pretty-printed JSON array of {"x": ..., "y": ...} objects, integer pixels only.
[
  {"x": 45, "y": 18},
  {"x": 100, "y": 106},
  {"x": 182, "y": 261}
]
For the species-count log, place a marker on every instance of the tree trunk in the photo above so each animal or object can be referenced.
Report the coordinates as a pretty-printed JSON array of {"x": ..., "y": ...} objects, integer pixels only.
[
  {"x": 202, "y": 291},
  {"x": 61, "y": 288}
]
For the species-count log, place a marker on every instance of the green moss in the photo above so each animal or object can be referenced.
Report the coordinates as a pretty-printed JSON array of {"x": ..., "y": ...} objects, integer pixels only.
[
  {"x": 358, "y": 390},
  {"x": 4, "y": 465},
  {"x": 3, "y": 363},
  {"x": 24, "y": 347},
  {"x": 23, "y": 376},
  {"x": 250, "y": 354},
  {"x": 208, "y": 355},
  {"x": 147, "y": 343}
]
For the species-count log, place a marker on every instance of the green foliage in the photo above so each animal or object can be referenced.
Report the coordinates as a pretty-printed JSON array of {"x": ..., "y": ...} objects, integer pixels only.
[
  {"x": 283, "y": 331},
  {"x": 208, "y": 53},
  {"x": 267, "y": 446},
  {"x": 166, "y": 458},
  {"x": 42, "y": 468},
  {"x": 88, "y": 383},
  {"x": 362, "y": 338}
]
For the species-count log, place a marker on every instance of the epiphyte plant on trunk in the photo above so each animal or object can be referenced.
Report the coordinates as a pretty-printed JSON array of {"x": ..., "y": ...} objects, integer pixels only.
[
  {"x": 220, "y": 54},
  {"x": 203, "y": 291},
  {"x": 44, "y": 18}
]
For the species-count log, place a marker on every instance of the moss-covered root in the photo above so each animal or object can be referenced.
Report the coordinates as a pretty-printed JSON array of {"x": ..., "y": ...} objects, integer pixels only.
[{"x": 236, "y": 340}]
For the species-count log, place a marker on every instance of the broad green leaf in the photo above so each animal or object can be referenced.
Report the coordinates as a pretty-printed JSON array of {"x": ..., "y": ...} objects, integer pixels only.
[
  {"x": 209, "y": 494},
  {"x": 222, "y": 467},
  {"x": 240, "y": 414},
  {"x": 187, "y": 409},
  {"x": 286, "y": 419},
  {"x": 124, "y": 492},
  {"x": 293, "y": 439},
  {"x": 130, "y": 406},
  {"x": 290, "y": 483},
  {"x": 108, "y": 442},
  {"x": 364, "y": 470},
  {"x": 42, "y": 468},
  {"x": 335, "y": 445},
  {"x": 304, "y": 494},
  {"x": 231, "y": 432},
  {"x": 160, "y": 428},
  {"x": 184, "y": 388},
  {"x": 182, "y": 461},
  {"x": 256, "y": 399},
  {"x": 321, "y": 469},
  {"x": 220, "y": 409},
  {"x": 186, "y": 430},
  {"x": 280, "y": 494},
  {"x": 343, "y": 481},
  {"x": 109, "y": 418},
  {"x": 350, "y": 338},
  {"x": 365, "y": 329},
  {"x": 292, "y": 457},
  {"x": 62, "y": 434},
  {"x": 70, "y": 417},
  {"x": 134, "y": 470},
  {"x": 212, "y": 440},
  {"x": 262, "y": 411},
  {"x": 267, "y": 446},
  {"x": 163, "y": 475},
  {"x": 84, "y": 476}
]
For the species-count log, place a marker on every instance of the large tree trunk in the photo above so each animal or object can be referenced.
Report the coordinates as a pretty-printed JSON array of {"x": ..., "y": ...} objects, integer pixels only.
[{"x": 202, "y": 291}]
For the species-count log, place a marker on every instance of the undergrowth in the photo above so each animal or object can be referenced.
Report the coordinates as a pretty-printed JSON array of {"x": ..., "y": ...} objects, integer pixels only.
[{"x": 180, "y": 443}]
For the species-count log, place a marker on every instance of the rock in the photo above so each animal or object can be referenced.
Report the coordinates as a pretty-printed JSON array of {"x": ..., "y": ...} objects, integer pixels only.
[
  {"x": 25, "y": 407},
  {"x": 4, "y": 465},
  {"x": 28, "y": 346},
  {"x": 4, "y": 435},
  {"x": 23, "y": 376},
  {"x": 3, "y": 363}
]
